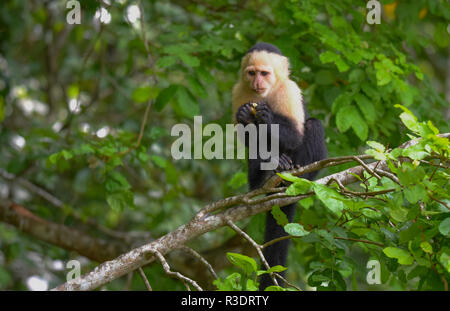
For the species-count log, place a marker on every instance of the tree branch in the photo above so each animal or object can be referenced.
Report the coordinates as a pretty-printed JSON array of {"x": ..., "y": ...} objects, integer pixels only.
[
  {"x": 93, "y": 248},
  {"x": 238, "y": 207}
]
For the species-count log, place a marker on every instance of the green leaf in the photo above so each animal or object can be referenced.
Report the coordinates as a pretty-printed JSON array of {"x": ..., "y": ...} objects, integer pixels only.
[
  {"x": 415, "y": 152},
  {"x": 165, "y": 96},
  {"x": 330, "y": 198},
  {"x": 230, "y": 283},
  {"x": 366, "y": 107},
  {"x": 73, "y": 91},
  {"x": 289, "y": 177},
  {"x": 349, "y": 116},
  {"x": 274, "y": 288},
  {"x": 403, "y": 257},
  {"x": 383, "y": 75},
  {"x": 426, "y": 247},
  {"x": 239, "y": 179},
  {"x": 166, "y": 61},
  {"x": 324, "y": 77},
  {"x": 190, "y": 61},
  {"x": 444, "y": 227},
  {"x": 441, "y": 36},
  {"x": 159, "y": 161},
  {"x": 295, "y": 229},
  {"x": 185, "y": 106},
  {"x": 53, "y": 158},
  {"x": 318, "y": 277},
  {"x": 376, "y": 154},
  {"x": 331, "y": 57},
  {"x": 356, "y": 76},
  {"x": 399, "y": 213},
  {"x": 171, "y": 173},
  {"x": 120, "y": 200},
  {"x": 67, "y": 155},
  {"x": 279, "y": 216},
  {"x": 244, "y": 262},
  {"x": 307, "y": 202},
  {"x": 360, "y": 128},
  {"x": 5, "y": 278},
  {"x": 86, "y": 149},
  {"x": 409, "y": 234},
  {"x": 276, "y": 269},
  {"x": 370, "y": 91},
  {"x": 115, "y": 182},
  {"x": 197, "y": 88},
  {"x": 340, "y": 102},
  {"x": 416, "y": 193},
  {"x": 344, "y": 118},
  {"x": 301, "y": 186},
  {"x": 2, "y": 109},
  {"x": 375, "y": 145},
  {"x": 444, "y": 259},
  {"x": 327, "y": 57},
  {"x": 341, "y": 64},
  {"x": 409, "y": 174},
  {"x": 142, "y": 94}
]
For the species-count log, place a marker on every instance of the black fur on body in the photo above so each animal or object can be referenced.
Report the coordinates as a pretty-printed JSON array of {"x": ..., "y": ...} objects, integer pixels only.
[{"x": 295, "y": 149}]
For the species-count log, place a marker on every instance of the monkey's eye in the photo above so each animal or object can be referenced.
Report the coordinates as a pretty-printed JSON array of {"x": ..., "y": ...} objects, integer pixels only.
[
  {"x": 251, "y": 72},
  {"x": 264, "y": 73}
]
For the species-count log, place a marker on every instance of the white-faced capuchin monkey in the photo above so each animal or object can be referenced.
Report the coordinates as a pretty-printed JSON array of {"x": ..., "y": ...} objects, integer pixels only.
[{"x": 264, "y": 94}]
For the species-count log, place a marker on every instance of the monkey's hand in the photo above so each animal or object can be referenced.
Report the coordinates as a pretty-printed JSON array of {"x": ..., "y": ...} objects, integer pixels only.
[
  {"x": 284, "y": 163},
  {"x": 245, "y": 115},
  {"x": 264, "y": 114}
]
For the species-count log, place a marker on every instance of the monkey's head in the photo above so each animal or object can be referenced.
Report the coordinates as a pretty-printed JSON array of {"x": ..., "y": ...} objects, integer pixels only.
[{"x": 263, "y": 68}]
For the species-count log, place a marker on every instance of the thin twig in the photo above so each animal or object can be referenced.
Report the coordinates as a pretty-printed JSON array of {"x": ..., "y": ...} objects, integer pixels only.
[
  {"x": 287, "y": 283},
  {"x": 201, "y": 258},
  {"x": 144, "y": 278},
  {"x": 336, "y": 237},
  {"x": 255, "y": 245},
  {"x": 357, "y": 159},
  {"x": 363, "y": 194},
  {"x": 358, "y": 240},
  {"x": 437, "y": 200},
  {"x": 388, "y": 175},
  {"x": 141, "y": 131},
  {"x": 177, "y": 275}
]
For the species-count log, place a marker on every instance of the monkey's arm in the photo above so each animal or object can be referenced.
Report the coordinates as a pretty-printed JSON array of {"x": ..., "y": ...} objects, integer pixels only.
[{"x": 289, "y": 137}]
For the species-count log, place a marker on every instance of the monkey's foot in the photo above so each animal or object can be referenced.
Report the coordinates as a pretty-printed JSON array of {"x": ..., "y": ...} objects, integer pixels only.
[{"x": 284, "y": 163}]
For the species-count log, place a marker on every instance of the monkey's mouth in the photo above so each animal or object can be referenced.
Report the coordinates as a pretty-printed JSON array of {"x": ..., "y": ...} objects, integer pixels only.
[{"x": 260, "y": 91}]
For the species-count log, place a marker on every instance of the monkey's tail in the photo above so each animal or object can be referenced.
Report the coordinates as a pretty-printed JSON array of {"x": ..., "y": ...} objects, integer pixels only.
[{"x": 315, "y": 140}]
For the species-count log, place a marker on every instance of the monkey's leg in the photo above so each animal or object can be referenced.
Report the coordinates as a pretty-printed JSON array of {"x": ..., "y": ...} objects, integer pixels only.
[{"x": 276, "y": 254}]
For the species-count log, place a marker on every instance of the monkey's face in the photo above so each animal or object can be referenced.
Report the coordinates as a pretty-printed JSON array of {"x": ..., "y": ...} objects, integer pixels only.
[{"x": 261, "y": 78}]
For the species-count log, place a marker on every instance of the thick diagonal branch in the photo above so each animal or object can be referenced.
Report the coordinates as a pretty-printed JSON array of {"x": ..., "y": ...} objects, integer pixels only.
[{"x": 238, "y": 207}]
